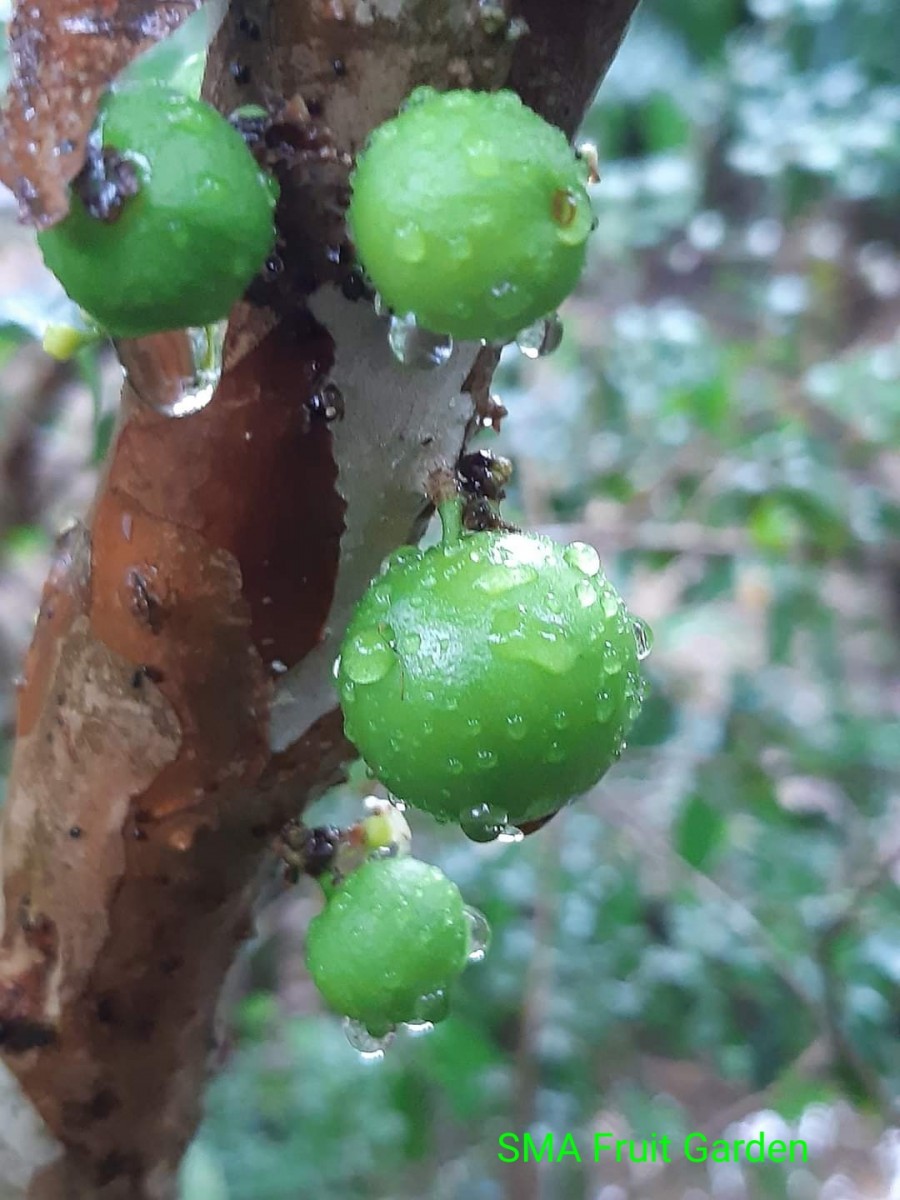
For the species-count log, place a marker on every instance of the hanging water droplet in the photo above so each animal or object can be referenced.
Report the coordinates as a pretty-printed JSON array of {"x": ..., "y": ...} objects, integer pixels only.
[
  {"x": 174, "y": 373},
  {"x": 479, "y": 933},
  {"x": 419, "y": 1028},
  {"x": 511, "y": 834},
  {"x": 380, "y": 305},
  {"x": 483, "y": 823},
  {"x": 541, "y": 338},
  {"x": 368, "y": 656},
  {"x": 370, "y": 1048},
  {"x": 643, "y": 637},
  {"x": 416, "y": 347},
  {"x": 583, "y": 558},
  {"x": 432, "y": 1008}
]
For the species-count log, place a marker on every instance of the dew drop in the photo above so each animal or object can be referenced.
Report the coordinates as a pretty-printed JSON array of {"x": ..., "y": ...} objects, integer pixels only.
[
  {"x": 409, "y": 643},
  {"x": 560, "y": 719},
  {"x": 174, "y": 373},
  {"x": 546, "y": 649},
  {"x": 416, "y": 347},
  {"x": 586, "y": 594},
  {"x": 454, "y": 766},
  {"x": 419, "y": 1028},
  {"x": 541, "y": 338},
  {"x": 368, "y": 657},
  {"x": 483, "y": 823},
  {"x": 485, "y": 760},
  {"x": 643, "y": 637},
  {"x": 571, "y": 212},
  {"x": 605, "y": 705},
  {"x": 479, "y": 933},
  {"x": 515, "y": 724},
  {"x": 583, "y": 558},
  {"x": 431, "y": 1008},
  {"x": 612, "y": 660},
  {"x": 555, "y": 753},
  {"x": 370, "y": 1048},
  {"x": 499, "y": 579},
  {"x": 610, "y": 604},
  {"x": 409, "y": 244},
  {"x": 380, "y": 305}
]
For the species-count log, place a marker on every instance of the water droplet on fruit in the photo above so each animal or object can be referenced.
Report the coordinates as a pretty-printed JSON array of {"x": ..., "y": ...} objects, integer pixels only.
[
  {"x": 511, "y": 835},
  {"x": 483, "y": 822},
  {"x": 485, "y": 760},
  {"x": 643, "y": 637},
  {"x": 419, "y": 1028},
  {"x": 605, "y": 705},
  {"x": 612, "y": 660},
  {"x": 516, "y": 726},
  {"x": 409, "y": 244},
  {"x": 454, "y": 766},
  {"x": 399, "y": 557},
  {"x": 571, "y": 212},
  {"x": 541, "y": 338},
  {"x": 182, "y": 380},
  {"x": 473, "y": 725},
  {"x": 507, "y": 299},
  {"x": 409, "y": 643},
  {"x": 544, "y": 648},
  {"x": 432, "y": 1007},
  {"x": 555, "y": 753},
  {"x": 586, "y": 594},
  {"x": 368, "y": 657},
  {"x": 370, "y": 1048},
  {"x": 483, "y": 161},
  {"x": 610, "y": 604},
  {"x": 479, "y": 933},
  {"x": 583, "y": 558},
  {"x": 459, "y": 247},
  {"x": 497, "y": 580},
  {"x": 416, "y": 347},
  {"x": 560, "y": 719}
]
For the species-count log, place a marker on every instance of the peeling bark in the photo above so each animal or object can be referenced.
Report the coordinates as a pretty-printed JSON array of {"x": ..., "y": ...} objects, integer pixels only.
[{"x": 177, "y": 703}]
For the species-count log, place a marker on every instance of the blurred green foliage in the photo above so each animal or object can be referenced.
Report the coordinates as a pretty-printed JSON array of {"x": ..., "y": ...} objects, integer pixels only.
[{"x": 716, "y": 930}]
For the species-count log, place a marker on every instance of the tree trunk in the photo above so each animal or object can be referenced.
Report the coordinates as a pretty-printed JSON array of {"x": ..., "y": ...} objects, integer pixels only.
[{"x": 177, "y": 704}]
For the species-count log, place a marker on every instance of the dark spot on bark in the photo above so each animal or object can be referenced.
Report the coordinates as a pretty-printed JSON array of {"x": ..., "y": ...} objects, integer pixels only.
[
  {"x": 106, "y": 1009},
  {"x": 314, "y": 106},
  {"x": 354, "y": 286},
  {"x": 339, "y": 67},
  {"x": 146, "y": 672},
  {"x": 75, "y": 831},
  {"x": 103, "y": 1104},
  {"x": 145, "y": 604},
  {"x": 427, "y": 441},
  {"x": 115, "y": 1165},
  {"x": 171, "y": 964},
  {"x": 19, "y": 1035},
  {"x": 327, "y": 404},
  {"x": 240, "y": 73},
  {"x": 249, "y": 29}
]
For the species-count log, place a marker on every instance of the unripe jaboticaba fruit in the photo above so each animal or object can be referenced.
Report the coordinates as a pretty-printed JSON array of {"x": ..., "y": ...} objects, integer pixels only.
[
  {"x": 389, "y": 944},
  {"x": 492, "y": 679},
  {"x": 470, "y": 212},
  {"x": 182, "y": 249}
]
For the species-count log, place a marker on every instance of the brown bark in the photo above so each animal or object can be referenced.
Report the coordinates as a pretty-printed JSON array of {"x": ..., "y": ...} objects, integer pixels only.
[{"x": 177, "y": 704}]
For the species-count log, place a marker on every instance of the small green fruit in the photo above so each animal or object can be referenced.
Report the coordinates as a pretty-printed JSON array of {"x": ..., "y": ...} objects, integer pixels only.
[
  {"x": 389, "y": 944},
  {"x": 470, "y": 212},
  {"x": 490, "y": 679},
  {"x": 182, "y": 249}
]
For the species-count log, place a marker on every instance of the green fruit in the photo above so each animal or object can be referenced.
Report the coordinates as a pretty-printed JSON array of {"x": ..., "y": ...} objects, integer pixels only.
[
  {"x": 390, "y": 942},
  {"x": 182, "y": 249},
  {"x": 470, "y": 212},
  {"x": 492, "y": 678}
]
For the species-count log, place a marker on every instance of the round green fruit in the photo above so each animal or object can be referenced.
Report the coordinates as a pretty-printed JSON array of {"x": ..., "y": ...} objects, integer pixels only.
[
  {"x": 389, "y": 944},
  {"x": 470, "y": 212},
  {"x": 181, "y": 249},
  {"x": 490, "y": 679}
]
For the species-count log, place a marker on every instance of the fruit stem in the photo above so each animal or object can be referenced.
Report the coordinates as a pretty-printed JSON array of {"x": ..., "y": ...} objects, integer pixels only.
[{"x": 450, "y": 513}]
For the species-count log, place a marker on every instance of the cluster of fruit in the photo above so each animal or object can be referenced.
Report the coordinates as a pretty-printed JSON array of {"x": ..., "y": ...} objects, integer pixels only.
[{"x": 486, "y": 680}]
